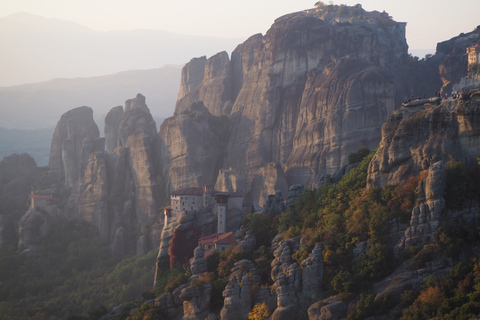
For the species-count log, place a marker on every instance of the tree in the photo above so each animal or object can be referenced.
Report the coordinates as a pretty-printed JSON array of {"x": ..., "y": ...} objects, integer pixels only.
[{"x": 259, "y": 312}]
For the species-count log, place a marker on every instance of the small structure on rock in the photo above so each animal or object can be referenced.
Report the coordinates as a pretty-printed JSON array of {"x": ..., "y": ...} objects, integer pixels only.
[
  {"x": 41, "y": 201},
  {"x": 192, "y": 199},
  {"x": 473, "y": 53},
  {"x": 217, "y": 241}
]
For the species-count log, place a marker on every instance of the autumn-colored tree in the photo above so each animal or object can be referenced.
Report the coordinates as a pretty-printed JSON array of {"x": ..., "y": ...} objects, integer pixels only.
[
  {"x": 183, "y": 244},
  {"x": 259, "y": 312}
]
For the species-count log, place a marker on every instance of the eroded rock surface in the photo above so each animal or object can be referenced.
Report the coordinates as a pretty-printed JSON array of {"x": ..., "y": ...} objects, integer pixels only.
[{"x": 301, "y": 97}]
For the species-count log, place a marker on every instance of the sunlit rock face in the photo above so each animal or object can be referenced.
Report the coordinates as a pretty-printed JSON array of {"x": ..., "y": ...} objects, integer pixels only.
[
  {"x": 416, "y": 137},
  {"x": 304, "y": 95}
]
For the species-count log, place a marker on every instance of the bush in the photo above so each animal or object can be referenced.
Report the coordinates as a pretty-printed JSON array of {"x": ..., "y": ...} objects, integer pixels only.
[{"x": 358, "y": 156}]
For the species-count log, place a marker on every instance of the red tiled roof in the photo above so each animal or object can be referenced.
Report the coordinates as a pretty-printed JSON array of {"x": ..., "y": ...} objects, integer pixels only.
[
  {"x": 168, "y": 208},
  {"x": 220, "y": 238},
  {"x": 190, "y": 191},
  {"x": 40, "y": 196}
]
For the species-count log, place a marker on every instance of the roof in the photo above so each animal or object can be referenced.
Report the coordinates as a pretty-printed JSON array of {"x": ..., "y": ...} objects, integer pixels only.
[
  {"x": 220, "y": 238},
  {"x": 190, "y": 191},
  {"x": 40, "y": 196},
  {"x": 168, "y": 208}
]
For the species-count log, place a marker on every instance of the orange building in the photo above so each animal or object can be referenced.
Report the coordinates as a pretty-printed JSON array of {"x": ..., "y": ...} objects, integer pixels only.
[{"x": 473, "y": 53}]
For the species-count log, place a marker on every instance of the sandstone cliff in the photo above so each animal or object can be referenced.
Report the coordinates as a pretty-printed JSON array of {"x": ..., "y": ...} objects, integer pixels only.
[
  {"x": 416, "y": 136},
  {"x": 302, "y": 97},
  {"x": 68, "y": 152},
  {"x": 118, "y": 192}
]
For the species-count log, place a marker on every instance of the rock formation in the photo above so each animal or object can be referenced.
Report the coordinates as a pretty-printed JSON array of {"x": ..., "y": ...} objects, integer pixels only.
[
  {"x": 118, "y": 192},
  {"x": 192, "y": 146},
  {"x": 293, "y": 194},
  {"x": 7, "y": 230},
  {"x": 238, "y": 293},
  {"x": 196, "y": 301},
  {"x": 199, "y": 264},
  {"x": 16, "y": 166},
  {"x": 425, "y": 218},
  {"x": 274, "y": 204},
  {"x": 312, "y": 274},
  {"x": 112, "y": 124},
  {"x": 247, "y": 244},
  {"x": 33, "y": 225},
  {"x": 76, "y": 136},
  {"x": 452, "y": 58},
  {"x": 414, "y": 138},
  {"x": 298, "y": 99}
]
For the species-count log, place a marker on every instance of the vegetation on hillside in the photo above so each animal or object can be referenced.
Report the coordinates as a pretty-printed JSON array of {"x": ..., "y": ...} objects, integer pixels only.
[{"x": 71, "y": 274}]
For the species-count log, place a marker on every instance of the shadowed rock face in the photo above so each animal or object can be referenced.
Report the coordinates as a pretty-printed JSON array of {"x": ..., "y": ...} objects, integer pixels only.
[
  {"x": 17, "y": 165},
  {"x": 76, "y": 136},
  {"x": 303, "y": 96},
  {"x": 117, "y": 192},
  {"x": 112, "y": 123},
  {"x": 192, "y": 146}
]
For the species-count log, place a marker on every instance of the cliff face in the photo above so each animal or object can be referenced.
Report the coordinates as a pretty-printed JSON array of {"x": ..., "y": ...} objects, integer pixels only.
[
  {"x": 303, "y": 96},
  {"x": 415, "y": 137},
  {"x": 118, "y": 192},
  {"x": 192, "y": 145},
  {"x": 453, "y": 62},
  {"x": 69, "y": 152}
]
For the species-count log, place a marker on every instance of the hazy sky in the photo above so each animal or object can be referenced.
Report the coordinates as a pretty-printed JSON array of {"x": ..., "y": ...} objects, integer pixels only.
[{"x": 428, "y": 21}]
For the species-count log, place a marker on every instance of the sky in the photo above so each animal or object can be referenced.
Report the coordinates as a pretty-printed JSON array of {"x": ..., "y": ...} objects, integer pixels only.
[{"x": 428, "y": 21}]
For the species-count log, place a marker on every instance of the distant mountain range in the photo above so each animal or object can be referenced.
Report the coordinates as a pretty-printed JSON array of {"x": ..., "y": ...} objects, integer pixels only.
[
  {"x": 40, "y": 105},
  {"x": 37, "y": 49},
  {"x": 31, "y": 111}
]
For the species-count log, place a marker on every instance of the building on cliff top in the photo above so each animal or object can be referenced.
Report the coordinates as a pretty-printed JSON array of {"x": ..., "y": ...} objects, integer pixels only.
[
  {"x": 473, "y": 53},
  {"x": 192, "y": 199}
]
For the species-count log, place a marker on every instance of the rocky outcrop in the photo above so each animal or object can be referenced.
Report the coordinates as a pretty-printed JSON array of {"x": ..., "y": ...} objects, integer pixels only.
[
  {"x": 293, "y": 194},
  {"x": 302, "y": 98},
  {"x": 283, "y": 250},
  {"x": 212, "y": 84},
  {"x": 199, "y": 264},
  {"x": 192, "y": 147},
  {"x": 196, "y": 301},
  {"x": 231, "y": 180},
  {"x": 274, "y": 204},
  {"x": 453, "y": 62},
  {"x": 426, "y": 216},
  {"x": 247, "y": 244},
  {"x": 413, "y": 139},
  {"x": 112, "y": 124},
  {"x": 33, "y": 225},
  {"x": 287, "y": 285},
  {"x": 118, "y": 192},
  {"x": 16, "y": 166},
  {"x": 89, "y": 198},
  {"x": 238, "y": 292},
  {"x": 7, "y": 230},
  {"x": 76, "y": 136},
  {"x": 312, "y": 274},
  {"x": 332, "y": 308}
]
